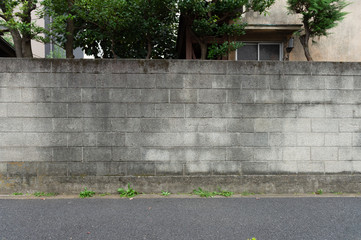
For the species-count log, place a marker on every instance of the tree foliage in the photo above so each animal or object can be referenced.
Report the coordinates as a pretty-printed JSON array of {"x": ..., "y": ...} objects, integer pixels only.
[{"x": 318, "y": 16}]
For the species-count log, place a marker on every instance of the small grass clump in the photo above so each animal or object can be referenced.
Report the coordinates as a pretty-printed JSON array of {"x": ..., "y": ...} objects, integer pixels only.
[
  {"x": 203, "y": 193},
  {"x": 318, "y": 192},
  {"x": 130, "y": 192},
  {"x": 43, "y": 194},
  {"x": 166, "y": 193},
  {"x": 104, "y": 194},
  {"x": 18, "y": 193},
  {"x": 246, "y": 193},
  {"x": 86, "y": 193}
]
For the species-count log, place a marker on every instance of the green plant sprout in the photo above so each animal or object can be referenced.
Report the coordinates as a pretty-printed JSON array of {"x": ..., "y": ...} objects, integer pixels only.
[
  {"x": 130, "y": 192},
  {"x": 42, "y": 194},
  {"x": 165, "y": 193},
  {"x": 86, "y": 193}
]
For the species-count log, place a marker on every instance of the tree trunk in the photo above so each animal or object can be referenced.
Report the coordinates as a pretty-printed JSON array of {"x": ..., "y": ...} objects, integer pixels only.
[
  {"x": 304, "y": 41},
  {"x": 203, "y": 50},
  {"x": 149, "y": 51},
  {"x": 69, "y": 38},
  {"x": 26, "y": 47},
  {"x": 17, "y": 43}
]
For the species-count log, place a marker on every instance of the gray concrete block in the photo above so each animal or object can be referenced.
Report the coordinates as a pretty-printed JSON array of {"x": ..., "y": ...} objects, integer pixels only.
[
  {"x": 205, "y": 125},
  {"x": 282, "y": 139},
  {"x": 36, "y": 95},
  {"x": 304, "y": 96},
  {"x": 338, "y": 139},
  {"x": 140, "y": 81},
  {"x": 11, "y": 124},
  {"x": 227, "y": 168},
  {"x": 126, "y": 95},
  {"x": 198, "y": 81},
  {"x": 126, "y": 124},
  {"x": 46, "y": 139},
  {"x": 111, "y": 169},
  {"x": 344, "y": 167},
  {"x": 82, "y": 169},
  {"x": 10, "y": 95},
  {"x": 269, "y": 96},
  {"x": 37, "y": 124},
  {"x": 181, "y": 154},
  {"x": 313, "y": 111},
  {"x": 339, "y": 82},
  {"x": 126, "y": 154},
  {"x": 240, "y": 96},
  {"x": 356, "y": 139},
  {"x": 51, "y": 110},
  {"x": 198, "y": 168},
  {"x": 253, "y": 139},
  {"x": 169, "y": 110},
  {"x": 348, "y": 153},
  {"x": 82, "y": 139},
  {"x": 141, "y": 169},
  {"x": 3, "y": 110},
  {"x": 81, "y": 80},
  {"x": 141, "y": 110},
  {"x": 111, "y": 80},
  {"x": 95, "y": 95},
  {"x": 37, "y": 154},
  {"x": 343, "y": 96},
  {"x": 44, "y": 80},
  {"x": 109, "y": 110},
  {"x": 226, "y": 110},
  {"x": 172, "y": 169},
  {"x": 339, "y": 111},
  {"x": 326, "y": 68},
  {"x": 97, "y": 124},
  {"x": 212, "y": 96},
  {"x": 311, "y": 167},
  {"x": 197, "y": 67},
  {"x": 310, "y": 139},
  {"x": 68, "y": 154},
  {"x": 168, "y": 81},
  {"x": 267, "y": 111},
  {"x": 224, "y": 81},
  {"x": 357, "y": 82},
  {"x": 183, "y": 96},
  {"x": 254, "y": 67},
  {"x": 241, "y": 125},
  {"x": 98, "y": 154},
  {"x": 324, "y": 125},
  {"x": 3, "y": 168},
  {"x": 155, "y": 95},
  {"x": 254, "y": 168},
  {"x": 11, "y": 154},
  {"x": 324, "y": 153},
  {"x": 267, "y": 154},
  {"x": 19, "y": 110},
  {"x": 157, "y": 125},
  {"x": 11, "y": 139},
  {"x": 350, "y": 125},
  {"x": 296, "y": 153},
  {"x": 22, "y": 169},
  {"x": 356, "y": 167},
  {"x": 199, "y": 110},
  {"x": 268, "y": 124},
  {"x": 82, "y": 110},
  {"x": 66, "y": 95},
  {"x": 241, "y": 154},
  {"x": 283, "y": 82},
  {"x": 311, "y": 82},
  {"x": 255, "y": 82},
  {"x": 67, "y": 125},
  {"x": 282, "y": 167},
  {"x": 106, "y": 139},
  {"x": 11, "y": 80}
]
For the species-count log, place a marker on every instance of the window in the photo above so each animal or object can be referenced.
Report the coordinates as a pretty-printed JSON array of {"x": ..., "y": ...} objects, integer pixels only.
[{"x": 260, "y": 51}]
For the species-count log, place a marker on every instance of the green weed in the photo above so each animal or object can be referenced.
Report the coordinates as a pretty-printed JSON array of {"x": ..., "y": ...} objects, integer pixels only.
[
  {"x": 165, "y": 193},
  {"x": 17, "y": 193},
  {"x": 246, "y": 193},
  {"x": 42, "y": 194},
  {"x": 203, "y": 193},
  {"x": 130, "y": 192},
  {"x": 86, "y": 193},
  {"x": 318, "y": 192}
]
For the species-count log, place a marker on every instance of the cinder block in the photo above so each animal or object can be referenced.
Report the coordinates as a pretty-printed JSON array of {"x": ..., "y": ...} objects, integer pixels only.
[
  {"x": 255, "y": 82},
  {"x": 356, "y": 139},
  {"x": 66, "y": 95},
  {"x": 296, "y": 153},
  {"x": 140, "y": 169},
  {"x": 197, "y": 67},
  {"x": 338, "y": 139},
  {"x": 310, "y": 167},
  {"x": 311, "y": 82},
  {"x": 241, "y": 96},
  {"x": 140, "y": 81},
  {"x": 44, "y": 79},
  {"x": 267, "y": 110},
  {"x": 126, "y": 154},
  {"x": 357, "y": 82},
  {"x": 226, "y": 110},
  {"x": 350, "y": 125},
  {"x": 251, "y": 168},
  {"x": 338, "y": 167},
  {"x": 282, "y": 139},
  {"x": 155, "y": 125},
  {"x": 198, "y": 81},
  {"x": 80, "y": 80},
  {"x": 242, "y": 154},
  {"x": 19, "y": 110},
  {"x": 312, "y": 111},
  {"x": 198, "y": 168},
  {"x": 268, "y": 125},
  {"x": 111, "y": 80},
  {"x": 212, "y": 96},
  {"x": 205, "y": 125},
  {"x": 310, "y": 139},
  {"x": 11, "y": 139},
  {"x": 11, "y": 124},
  {"x": 3, "y": 110},
  {"x": 46, "y": 139},
  {"x": 183, "y": 96},
  {"x": 172, "y": 81},
  {"x": 226, "y": 168},
  {"x": 82, "y": 139},
  {"x": 356, "y": 167},
  {"x": 283, "y": 82},
  {"x": 11, "y": 154},
  {"x": 348, "y": 153},
  {"x": 164, "y": 169},
  {"x": 111, "y": 169},
  {"x": 324, "y": 125},
  {"x": 111, "y": 110},
  {"x": 326, "y": 68},
  {"x": 181, "y": 154},
  {"x": 11, "y": 80},
  {"x": 67, "y": 125},
  {"x": 82, "y": 110},
  {"x": 98, "y": 154},
  {"x": 304, "y": 96},
  {"x": 127, "y": 95},
  {"x": 282, "y": 167},
  {"x": 95, "y": 95},
  {"x": 3, "y": 168},
  {"x": 156, "y": 154},
  {"x": 97, "y": 124},
  {"x": 155, "y": 95},
  {"x": 199, "y": 110},
  {"x": 241, "y": 125},
  {"x": 106, "y": 139},
  {"x": 324, "y": 153},
  {"x": 36, "y": 95},
  {"x": 126, "y": 124},
  {"x": 339, "y": 82},
  {"x": 169, "y": 110},
  {"x": 267, "y": 154},
  {"x": 223, "y": 82},
  {"x": 52, "y": 169},
  {"x": 269, "y": 96},
  {"x": 82, "y": 169},
  {"x": 343, "y": 96},
  {"x": 68, "y": 154},
  {"x": 140, "y": 110},
  {"x": 37, "y": 154},
  {"x": 339, "y": 111}
]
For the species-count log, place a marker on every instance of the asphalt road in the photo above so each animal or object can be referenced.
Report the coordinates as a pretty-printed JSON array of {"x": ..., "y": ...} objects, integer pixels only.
[{"x": 160, "y": 218}]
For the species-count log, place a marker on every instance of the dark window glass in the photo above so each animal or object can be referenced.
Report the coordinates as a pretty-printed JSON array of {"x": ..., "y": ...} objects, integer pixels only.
[
  {"x": 269, "y": 52},
  {"x": 248, "y": 52}
]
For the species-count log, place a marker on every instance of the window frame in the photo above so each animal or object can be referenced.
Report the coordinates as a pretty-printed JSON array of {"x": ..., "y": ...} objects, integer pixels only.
[{"x": 258, "y": 50}]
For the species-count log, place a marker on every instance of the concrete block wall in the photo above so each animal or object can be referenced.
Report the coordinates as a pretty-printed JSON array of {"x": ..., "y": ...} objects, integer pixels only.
[{"x": 65, "y": 124}]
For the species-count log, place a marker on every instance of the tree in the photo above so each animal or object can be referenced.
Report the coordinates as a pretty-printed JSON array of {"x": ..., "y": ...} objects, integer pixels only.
[
  {"x": 16, "y": 16},
  {"x": 318, "y": 16},
  {"x": 213, "y": 20}
]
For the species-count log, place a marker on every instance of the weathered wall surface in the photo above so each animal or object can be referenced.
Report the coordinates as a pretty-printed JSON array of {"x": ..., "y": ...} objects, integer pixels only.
[{"x": 177, "y": 125}]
